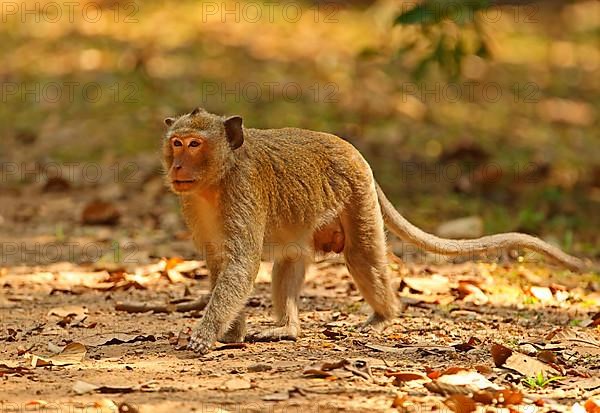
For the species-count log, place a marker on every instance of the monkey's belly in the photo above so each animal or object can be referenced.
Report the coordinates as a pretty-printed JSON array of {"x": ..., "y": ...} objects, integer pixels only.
[{"x": 330, "y": 238}]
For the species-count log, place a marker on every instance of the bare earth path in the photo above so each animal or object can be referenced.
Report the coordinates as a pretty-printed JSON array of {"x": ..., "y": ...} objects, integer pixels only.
[{"x": 437, "y": 355}]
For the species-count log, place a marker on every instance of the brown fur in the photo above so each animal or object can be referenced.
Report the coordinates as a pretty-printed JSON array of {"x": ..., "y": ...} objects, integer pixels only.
[{"x": 290, "y": 192}]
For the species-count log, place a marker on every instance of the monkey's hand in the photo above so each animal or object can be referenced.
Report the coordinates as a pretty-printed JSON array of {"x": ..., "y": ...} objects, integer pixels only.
[{"x": 201, "y": 342}]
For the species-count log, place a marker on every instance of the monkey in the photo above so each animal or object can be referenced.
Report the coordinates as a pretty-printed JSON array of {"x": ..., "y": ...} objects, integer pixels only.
[{"x": 294, "y": 192}]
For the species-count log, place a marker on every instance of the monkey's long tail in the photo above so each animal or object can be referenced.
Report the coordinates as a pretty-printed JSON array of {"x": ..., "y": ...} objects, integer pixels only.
[{"x": 408, "y": 232}]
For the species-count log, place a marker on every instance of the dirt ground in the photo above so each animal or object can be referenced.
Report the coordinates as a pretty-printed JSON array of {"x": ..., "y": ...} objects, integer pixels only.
[
  {"x": 437, "y": 331},
  {"x": 472, "y": 336}
]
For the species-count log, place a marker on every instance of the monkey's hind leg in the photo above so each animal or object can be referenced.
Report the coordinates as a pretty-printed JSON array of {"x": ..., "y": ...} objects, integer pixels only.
[
  {"x": 287, "y": 280},
  {"x": 365, "y": 256}
]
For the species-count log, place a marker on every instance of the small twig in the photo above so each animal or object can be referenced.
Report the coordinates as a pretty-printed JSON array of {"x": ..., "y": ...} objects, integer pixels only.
[{"x": 136, "y": 307}]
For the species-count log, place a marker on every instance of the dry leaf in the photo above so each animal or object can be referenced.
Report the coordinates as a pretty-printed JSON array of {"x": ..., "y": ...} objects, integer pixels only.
[
  {"x": 401, "y": 379},
  {"x": 581, "y": 341},
  {"x": 170, "y": 263},
  {"x": 592, "y": 405},
  {"x": 343, "y": 369},
  {"x": 181, "y": 340},
  {"x": 471, "y": 293},
  {"x": 333, "y": 334},
  {"x": 521, "y": 363},
  {"x": 82, "y": 387},
  {"x": 547, "y": 356},
  {"x": 453, "y": 370},
  {"x": 483, "y": 369},
  {"x": 399, "y": 401},
  {"x": 231, "y": 346},
  {"x": 500, "y": 354},
  {"x": 6, "y": 370},
  {"x": 105, "y": 405},
  {"x": 55, "y": 348},
  {"x": 188, "y": 267},
  {"x": 116, "y": 338},
  {"x": 175, "y": 276},
  {"x": 462, "y": 382},
  {"x": 433, "y": 374},
  {"x": 36, "y": 403},
  {"x": 433, "y": 284},
  {"x": 460, "y": 403},
  {"x": 68, "y": 310},
  {"x": 236, "y": 383},
  {"x": 593, "y": 321},
  {"x": 587, "y": 384},
  {"x": 360, "y": 368},
  {"x": 402, "y": 376},
  {"x": 324, "y": 370},
  {"x": 408, "y": 347},
  {"x": 334, "y": 365},
  {"x": 544, "y": 294},
  {"x": 73, "y": 315},
  {"x": 504, "y": 397},
  {"x": 469, "y": 345},
  {"x": 100, "y": 213},
  {"x": 72, "y": 353},
  {"x": 507, "y": 397}
]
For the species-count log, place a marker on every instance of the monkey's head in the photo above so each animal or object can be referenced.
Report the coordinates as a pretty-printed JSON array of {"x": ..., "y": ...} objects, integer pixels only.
[{"x": 199, "y": 149}]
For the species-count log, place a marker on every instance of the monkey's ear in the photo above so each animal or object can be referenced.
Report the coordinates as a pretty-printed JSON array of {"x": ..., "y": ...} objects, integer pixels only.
[
  {"x": 169, "y": 121},
  {"x": 234, "y": 131}
]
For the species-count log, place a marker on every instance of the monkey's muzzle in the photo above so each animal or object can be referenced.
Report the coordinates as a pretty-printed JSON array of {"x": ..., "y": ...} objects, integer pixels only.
[{"x": 183, "y": 185}]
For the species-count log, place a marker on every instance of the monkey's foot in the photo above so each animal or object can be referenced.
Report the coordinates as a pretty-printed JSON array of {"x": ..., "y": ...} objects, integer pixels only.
[
  {"x": 199, "y": 344},
  {"x": 233, "y": 336},
  {"x": 376, "y": 323},
  {"x": 288, "y": 333}
]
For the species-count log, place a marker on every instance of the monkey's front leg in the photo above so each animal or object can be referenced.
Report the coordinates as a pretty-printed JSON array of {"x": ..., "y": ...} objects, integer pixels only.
[
  {"x": 237, "y": 329},
  {"x": 228, "y": 298}
]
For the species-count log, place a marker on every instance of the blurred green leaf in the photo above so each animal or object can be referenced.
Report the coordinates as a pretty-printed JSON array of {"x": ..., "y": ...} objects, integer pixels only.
[
  {"x": 434, "y": 11},
  {"x": 421, "y": 14},
  {"x": 530, "y": 219}
]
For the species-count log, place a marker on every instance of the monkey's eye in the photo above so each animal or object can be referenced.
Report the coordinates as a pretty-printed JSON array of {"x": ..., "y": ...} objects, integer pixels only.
[
  {"x": 194, "y": 144},
  {"x": 177, "y": 142}
]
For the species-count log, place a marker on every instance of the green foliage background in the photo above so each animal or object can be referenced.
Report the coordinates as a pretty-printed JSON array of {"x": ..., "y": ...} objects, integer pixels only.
[{"x": 416, "y": 92}]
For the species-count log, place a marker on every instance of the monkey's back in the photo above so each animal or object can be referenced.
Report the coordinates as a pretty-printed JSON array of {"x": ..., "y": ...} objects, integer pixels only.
[{"x": 307, "y": 177}]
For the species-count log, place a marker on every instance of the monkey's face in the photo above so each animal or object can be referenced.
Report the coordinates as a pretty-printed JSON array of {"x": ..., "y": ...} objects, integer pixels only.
[
  {"x": 189, "y": 160},
  {"x": 198, "y": 150}
]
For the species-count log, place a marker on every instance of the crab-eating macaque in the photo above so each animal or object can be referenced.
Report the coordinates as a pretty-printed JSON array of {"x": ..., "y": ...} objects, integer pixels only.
[{"x": 298, "y": 192}]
